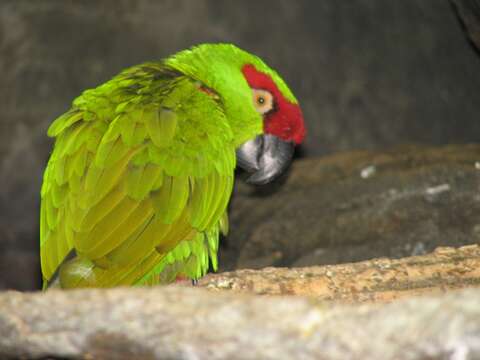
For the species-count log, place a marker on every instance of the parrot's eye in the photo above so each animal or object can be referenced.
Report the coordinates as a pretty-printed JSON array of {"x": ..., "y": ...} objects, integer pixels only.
[{"x": 262, "y": 100}]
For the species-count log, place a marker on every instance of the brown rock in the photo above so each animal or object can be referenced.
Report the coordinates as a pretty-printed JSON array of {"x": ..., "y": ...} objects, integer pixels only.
[
  {"x": 359, "y": 205},
  {"x": 376, "y": 280}
]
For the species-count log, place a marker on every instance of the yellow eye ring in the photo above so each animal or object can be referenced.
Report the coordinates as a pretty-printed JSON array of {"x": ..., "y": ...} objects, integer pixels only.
[{"x": 262, "y": 100}]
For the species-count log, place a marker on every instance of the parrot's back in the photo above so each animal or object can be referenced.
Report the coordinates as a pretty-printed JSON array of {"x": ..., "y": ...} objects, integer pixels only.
[{"x": 137, "y": 186}]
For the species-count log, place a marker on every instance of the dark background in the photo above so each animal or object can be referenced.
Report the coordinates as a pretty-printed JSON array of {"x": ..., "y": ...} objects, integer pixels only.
[{"x": 369, "y": 74}]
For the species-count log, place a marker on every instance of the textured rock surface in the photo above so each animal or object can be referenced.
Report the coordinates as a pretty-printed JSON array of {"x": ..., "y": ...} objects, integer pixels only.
[
  {"x": 369, "y": 73},
  {"x": 222, "y": 319},
  {"x": 376, "y": 280},
  {"x": 359, "y": 205},
  {"x": 469, "y": 13},
  {"x": 182, "y": 323}
]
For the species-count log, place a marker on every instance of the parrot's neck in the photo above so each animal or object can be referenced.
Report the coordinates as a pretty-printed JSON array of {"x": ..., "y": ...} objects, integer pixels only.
[{"x": 227, "y": 80}]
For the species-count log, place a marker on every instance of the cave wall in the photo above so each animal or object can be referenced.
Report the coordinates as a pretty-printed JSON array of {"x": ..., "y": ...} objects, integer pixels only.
[{"x": 369, "y": 74}]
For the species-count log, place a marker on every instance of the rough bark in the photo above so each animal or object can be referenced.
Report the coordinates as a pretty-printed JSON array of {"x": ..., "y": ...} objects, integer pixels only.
[
  {"x": 372, "y": 280},
  {"x": 183, "y": 323}
]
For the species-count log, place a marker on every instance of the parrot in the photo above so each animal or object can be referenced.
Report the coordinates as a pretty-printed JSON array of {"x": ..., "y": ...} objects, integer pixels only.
[{"x": 136, "y": 188}]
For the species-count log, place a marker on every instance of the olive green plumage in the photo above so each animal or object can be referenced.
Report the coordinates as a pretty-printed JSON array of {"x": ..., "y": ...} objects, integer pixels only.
[{"x": 137, "y": 185}]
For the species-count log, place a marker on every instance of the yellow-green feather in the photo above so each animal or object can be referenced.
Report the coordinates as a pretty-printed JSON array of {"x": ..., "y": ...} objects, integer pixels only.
[{"x": 137, "y": 183}]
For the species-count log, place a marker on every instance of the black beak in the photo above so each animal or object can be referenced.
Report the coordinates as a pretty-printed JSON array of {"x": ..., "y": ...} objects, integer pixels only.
[{"x": 266, "y": 156}]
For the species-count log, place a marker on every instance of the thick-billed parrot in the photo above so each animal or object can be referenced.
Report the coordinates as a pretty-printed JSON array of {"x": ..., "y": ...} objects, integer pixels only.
[{"x": 137, "y": 185}]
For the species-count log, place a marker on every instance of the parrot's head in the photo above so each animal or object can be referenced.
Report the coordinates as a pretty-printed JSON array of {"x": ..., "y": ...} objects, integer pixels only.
[{"x": 265, "y": 117}]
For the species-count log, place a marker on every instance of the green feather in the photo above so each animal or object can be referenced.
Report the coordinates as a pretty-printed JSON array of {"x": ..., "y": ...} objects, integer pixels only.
[
  {"x": 161, "y": 125},
  {"x": 169, "y": 201},
  {"x": 64, "y": 121},
  {"x": 79, "y": 163},
  {"x": 141, "y": 180},
  {"x": 86, "y": 219},
  {"x": 223, "y": 224},
  {"x": 142, "y": 170}
]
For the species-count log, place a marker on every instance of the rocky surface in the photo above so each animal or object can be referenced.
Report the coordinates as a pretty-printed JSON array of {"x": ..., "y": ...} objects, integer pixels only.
[
  {"x": 341, "y": 208},
  {"x": 185, "y": 323},
  {"x": 369, "y": 74},
  {"x": 359, "y": 205},
  {"x": 377, "y": 280},
  {"x": 469, "y": 13},
  {"x": 339, "y": 312}
]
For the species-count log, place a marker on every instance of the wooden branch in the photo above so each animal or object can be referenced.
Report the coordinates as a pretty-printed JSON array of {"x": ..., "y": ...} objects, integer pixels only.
[
  {"x": 373, "y": 280},
  {"x": 192, "y": 323}
]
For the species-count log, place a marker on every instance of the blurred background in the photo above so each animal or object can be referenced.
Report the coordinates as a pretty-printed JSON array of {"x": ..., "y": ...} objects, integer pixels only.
[{"x": 369, "y": 74}]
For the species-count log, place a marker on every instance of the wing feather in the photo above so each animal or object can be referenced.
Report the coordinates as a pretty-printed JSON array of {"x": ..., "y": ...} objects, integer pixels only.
[{"x": 137, "y": 185}]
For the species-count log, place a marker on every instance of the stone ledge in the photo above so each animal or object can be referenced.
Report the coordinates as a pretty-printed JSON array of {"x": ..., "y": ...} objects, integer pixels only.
[
  {"x": 376, "y": 280},
  {"x": 223, "y": 318}
]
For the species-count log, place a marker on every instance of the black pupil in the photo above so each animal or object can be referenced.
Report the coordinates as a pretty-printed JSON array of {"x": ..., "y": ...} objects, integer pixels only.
[{"x": 261, "y": 100}]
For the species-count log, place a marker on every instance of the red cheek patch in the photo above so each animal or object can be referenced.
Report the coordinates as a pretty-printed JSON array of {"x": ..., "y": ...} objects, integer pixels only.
[{"x": 286, "y": 119}]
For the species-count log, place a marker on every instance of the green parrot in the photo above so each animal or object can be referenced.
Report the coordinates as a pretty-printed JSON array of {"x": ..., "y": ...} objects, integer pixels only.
[{"x": 136, "y": 188}]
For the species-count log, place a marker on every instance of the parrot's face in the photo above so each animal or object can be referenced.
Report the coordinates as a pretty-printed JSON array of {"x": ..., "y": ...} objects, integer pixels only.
[
  {"x": 268, "y": 155},
  {"x": 238, "y": 78}
]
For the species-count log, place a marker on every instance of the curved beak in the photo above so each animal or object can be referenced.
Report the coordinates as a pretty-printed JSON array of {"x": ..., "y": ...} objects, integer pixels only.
[{"x": 266, "y": 156}]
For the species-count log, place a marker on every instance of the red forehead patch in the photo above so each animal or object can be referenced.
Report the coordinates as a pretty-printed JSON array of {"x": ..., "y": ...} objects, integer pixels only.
[{"x": 286, "y": 119}]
